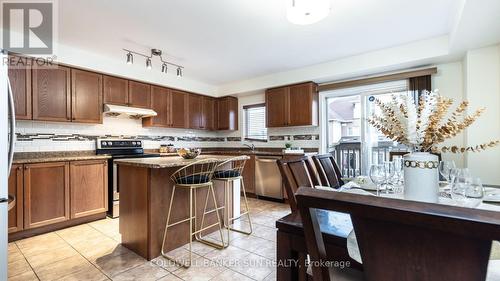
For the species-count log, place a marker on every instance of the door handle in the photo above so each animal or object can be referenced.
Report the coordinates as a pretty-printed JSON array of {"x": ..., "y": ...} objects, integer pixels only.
[{"x": 12, "y": 125}]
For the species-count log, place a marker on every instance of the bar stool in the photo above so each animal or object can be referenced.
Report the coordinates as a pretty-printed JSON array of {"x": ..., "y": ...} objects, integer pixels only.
[
  {"x": 192, "y": 177},
  {"x": 226, "y": 175}
]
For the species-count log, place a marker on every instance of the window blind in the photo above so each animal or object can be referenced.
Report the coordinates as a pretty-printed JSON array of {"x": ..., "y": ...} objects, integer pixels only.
[{"x": 255, "y": 123}]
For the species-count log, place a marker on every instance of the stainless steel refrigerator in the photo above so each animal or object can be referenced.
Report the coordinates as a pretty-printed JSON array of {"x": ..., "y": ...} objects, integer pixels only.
[{"x": 7, "y": 139}]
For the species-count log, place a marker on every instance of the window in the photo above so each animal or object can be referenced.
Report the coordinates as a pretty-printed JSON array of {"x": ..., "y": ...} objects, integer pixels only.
[{"x": 255, "y": 122}]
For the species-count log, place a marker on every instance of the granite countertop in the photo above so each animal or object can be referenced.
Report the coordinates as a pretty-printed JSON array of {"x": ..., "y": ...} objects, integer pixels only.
[
  {"x": 56, "y": 156},
  {"x": 243, "y": 152},
  {"x": 167, "y": 162}
]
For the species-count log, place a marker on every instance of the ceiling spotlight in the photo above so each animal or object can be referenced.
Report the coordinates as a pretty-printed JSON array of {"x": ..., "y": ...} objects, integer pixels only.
[
  {"x": 130, "y": 58},
  {"x": 304, "y": 12},
  {"x": 149, "y": 65},
  {"x": 179, "y": 72},
  {"x": 164, "y": 68}
]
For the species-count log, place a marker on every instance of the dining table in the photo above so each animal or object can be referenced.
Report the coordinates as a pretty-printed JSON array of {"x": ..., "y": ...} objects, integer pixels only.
[{"x": 338, "y": 235}]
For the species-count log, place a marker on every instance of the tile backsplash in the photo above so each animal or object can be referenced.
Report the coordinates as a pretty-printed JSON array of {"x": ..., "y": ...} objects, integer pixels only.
[{"x": 35, "y": 136}]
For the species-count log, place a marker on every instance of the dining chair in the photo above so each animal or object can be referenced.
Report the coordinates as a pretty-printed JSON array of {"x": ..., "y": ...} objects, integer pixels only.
[
  {"x": 405, "y": 240},
  {"x": 328, "y": 170},
  {"x": 295, "y": 173}
]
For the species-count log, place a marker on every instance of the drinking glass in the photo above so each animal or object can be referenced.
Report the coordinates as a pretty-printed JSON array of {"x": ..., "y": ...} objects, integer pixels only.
[
  {"x": 377, "y": 175},
  {"x": 474, "y": 192},
  {"x": 389, "y": 171},
  {"x": 399, "y": 169},
  {"x": 445, "y": 168},
  {"x": 460, "y": 184}
]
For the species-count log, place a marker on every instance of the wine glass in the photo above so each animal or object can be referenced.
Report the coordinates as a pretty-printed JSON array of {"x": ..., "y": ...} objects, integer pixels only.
[
  {"x": 445, "y": 168},
  {"x": 399, "y": 170},
  {"x": 474, "y": 192},
  {"x": 377, "y": 175},
  {"x": 389, "y": 171}
]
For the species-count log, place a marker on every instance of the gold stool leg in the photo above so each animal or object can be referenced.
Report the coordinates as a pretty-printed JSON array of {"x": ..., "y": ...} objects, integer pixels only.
[
  {"x": 218, "y": 223},
  {"x": 247, "y": 213},
  {"x": 167, "y": 226}
]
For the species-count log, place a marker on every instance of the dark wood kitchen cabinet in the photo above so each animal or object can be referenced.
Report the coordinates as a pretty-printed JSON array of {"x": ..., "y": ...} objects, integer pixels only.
[
  {"x": 294, "y": 105},
  {"x": 16, "y": 187},
  {"x": 46, "y": 194},
  {"x": 88, "y": 188},
  {"x": 179, "y": 110},
  {"x": 20, "y": 80},
  {"x": 195, "y": 111},
  {"x": 51, "y": 93},
  {"x": 139, "y": 94},
  {"x": 208, "y": 113},
  {"x": 227, "y": 113},
  {"x": 86, "y": 96},
  {"x": 160, "y": 103},
  {"x": 115, "y": 90},
  {"x": 276, "y": 107}
]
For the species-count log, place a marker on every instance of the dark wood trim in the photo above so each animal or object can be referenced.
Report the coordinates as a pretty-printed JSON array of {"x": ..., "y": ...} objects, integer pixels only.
[
  {"x": 378, "y": 78},
  {"x": 53, "y": 227},
  {"x": 254, "y": 105}
]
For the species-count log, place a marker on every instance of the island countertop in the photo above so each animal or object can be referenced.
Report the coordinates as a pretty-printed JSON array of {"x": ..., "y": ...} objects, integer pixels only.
[{"x": 168, "y": 162}]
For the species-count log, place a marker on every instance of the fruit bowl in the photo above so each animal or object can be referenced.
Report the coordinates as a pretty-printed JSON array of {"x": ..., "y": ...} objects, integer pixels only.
[{"x": 188, "y": 153}]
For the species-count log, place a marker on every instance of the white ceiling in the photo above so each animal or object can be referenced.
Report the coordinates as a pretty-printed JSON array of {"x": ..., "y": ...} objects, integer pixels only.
[{"x": 222, "y": 41}]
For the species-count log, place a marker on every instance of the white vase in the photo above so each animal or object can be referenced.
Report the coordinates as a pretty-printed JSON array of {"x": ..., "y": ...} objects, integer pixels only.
[{"x": 421, "y": 177}]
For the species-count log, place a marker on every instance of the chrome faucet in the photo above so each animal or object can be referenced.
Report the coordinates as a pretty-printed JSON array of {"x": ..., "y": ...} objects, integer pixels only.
[{"x": 250, "y": 146}]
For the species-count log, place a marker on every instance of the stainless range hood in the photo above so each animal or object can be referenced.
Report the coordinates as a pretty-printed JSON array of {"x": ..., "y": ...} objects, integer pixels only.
[{"x": 133, "y": 112}]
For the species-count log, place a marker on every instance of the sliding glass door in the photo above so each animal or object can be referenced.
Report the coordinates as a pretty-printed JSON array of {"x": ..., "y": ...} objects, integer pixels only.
[{"x": 355, "y": 144}]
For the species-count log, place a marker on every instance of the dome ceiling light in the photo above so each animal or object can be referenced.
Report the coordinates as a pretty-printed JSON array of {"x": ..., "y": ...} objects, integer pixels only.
[{"x": 303, "y": 12}]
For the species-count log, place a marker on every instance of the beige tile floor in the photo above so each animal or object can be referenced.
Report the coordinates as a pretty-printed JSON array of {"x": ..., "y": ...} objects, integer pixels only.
[{"x": 92, "y": 251}]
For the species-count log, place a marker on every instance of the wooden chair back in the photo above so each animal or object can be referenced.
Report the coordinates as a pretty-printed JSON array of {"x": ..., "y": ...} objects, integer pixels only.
[
  {"x": 295, "y": 173},
  {"x": 328, "y": 171},
  {"x": 405, "y": 240}
]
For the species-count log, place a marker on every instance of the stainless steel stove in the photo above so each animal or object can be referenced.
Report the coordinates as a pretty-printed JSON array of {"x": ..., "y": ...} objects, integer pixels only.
[{"x": 119, "y": 149}]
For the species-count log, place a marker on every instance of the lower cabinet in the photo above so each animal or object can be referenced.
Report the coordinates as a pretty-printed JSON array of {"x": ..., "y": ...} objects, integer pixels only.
[
  {"x": 88, "y": 192},
  {"x": 16, "y": 190},
  {"x": 55, "y": 192},
  {"x": 46, "y": 194}
]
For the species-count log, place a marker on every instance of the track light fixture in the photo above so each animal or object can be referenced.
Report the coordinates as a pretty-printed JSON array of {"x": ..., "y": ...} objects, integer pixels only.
[
  {"x": 130, "y": 58},
  {"x": 149, "y": 63}
]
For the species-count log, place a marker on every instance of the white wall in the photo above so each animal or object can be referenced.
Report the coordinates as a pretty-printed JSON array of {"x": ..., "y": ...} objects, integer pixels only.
[
  {"x": 482, "y": 89},
  {"x": 449, "y": 82}
]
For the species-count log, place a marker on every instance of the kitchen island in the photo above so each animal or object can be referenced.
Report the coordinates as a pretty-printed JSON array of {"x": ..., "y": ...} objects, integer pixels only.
[{"x": 145, "y": 189}]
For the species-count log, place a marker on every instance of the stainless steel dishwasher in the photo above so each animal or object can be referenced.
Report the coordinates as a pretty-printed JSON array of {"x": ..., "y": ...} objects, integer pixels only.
[{"x": 268, "y": 181}]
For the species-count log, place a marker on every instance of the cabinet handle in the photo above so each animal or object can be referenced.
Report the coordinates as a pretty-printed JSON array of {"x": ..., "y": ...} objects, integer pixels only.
[{"x": 19, "y": 168}]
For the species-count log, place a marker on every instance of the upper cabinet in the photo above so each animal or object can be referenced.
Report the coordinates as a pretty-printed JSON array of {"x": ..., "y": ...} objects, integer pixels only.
[
  {"x": 295, "y": 105},
  {"x": 208, "y": 113},
  {"x": 51, "y": 93},
  {"x": 195, "y": 111},
  {"x": 160, "y": 102},
  {"x": 115, "y": 90},
  {"x": 179, "y": 109},
  {"x": 139, "y": 94},
  {"x": 227, "y": 113},
  {"x": 86, "y": 96},
  {"x": 20, "y": 81}
]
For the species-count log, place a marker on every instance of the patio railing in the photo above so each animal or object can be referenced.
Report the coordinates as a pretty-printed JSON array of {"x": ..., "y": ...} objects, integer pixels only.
[{"x": 349, "y": 156}]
